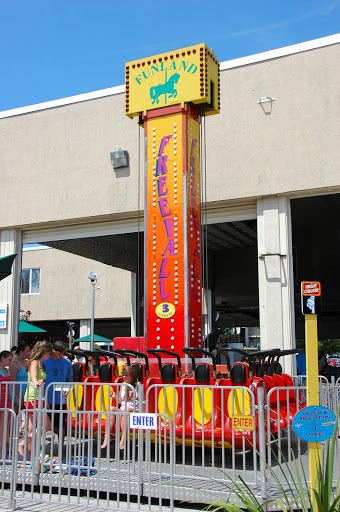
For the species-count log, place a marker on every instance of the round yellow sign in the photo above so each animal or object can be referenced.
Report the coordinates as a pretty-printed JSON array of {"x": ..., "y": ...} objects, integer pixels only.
[{"x": 165, "y": 310}]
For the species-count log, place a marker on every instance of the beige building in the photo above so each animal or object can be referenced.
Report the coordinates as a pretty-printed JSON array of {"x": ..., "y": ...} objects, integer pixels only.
[
  {"x": 61, "y": 291},
  {"x": 271, "y": 192}
]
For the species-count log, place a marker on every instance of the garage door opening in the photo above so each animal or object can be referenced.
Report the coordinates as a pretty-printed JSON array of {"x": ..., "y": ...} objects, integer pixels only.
[
  {"x": 316, "y": 249},
  {"x": 230, "y": 276},
  {"x": 233, "y": 279}
]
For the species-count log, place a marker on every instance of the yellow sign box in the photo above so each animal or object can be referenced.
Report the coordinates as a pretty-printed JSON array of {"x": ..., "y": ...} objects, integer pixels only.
[
  {"x": 243, "y": 422},
  {"x": 182, "y": 76}
]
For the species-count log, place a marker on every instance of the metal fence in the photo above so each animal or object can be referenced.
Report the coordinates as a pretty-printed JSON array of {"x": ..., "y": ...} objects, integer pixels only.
[
  {"x": 193, "y": 455},
  {"x": 201, "y": 428},
  {"x": 287, "y": 454}
]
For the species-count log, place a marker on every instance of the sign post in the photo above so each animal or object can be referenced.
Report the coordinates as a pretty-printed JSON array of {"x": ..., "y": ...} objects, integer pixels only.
[{"x": 310, "y": 301}]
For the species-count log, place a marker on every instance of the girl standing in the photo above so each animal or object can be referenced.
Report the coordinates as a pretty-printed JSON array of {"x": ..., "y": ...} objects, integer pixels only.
[
  {"x": 17, "y": 370},
  {"x": 36, "y": 375}
]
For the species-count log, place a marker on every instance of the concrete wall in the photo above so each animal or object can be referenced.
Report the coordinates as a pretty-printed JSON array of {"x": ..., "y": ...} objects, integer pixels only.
[
  {"x": 61, "y": 159},
  {"x": 65, "y": 290},
  {"x": 296, "y": 147},
  {"x": 55, "y": 163}
]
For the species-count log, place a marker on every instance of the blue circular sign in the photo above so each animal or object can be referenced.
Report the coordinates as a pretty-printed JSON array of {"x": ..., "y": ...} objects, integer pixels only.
[{"x": 314, "y": 424}]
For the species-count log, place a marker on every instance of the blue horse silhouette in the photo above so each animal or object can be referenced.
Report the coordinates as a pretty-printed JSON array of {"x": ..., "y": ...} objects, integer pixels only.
[{"x": 167, "y": 88}]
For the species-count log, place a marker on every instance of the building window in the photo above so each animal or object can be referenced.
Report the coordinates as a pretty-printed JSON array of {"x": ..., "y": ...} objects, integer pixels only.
[{"x": 30, "y": 280}]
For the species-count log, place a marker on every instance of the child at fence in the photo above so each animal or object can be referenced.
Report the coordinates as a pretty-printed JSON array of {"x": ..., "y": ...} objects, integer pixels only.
[
  {"x": 126, "y": 403},
  {"x": 36, "y": 376},
  {"x": 17, "y": 370},
  {"x": 5, "y": 397}
]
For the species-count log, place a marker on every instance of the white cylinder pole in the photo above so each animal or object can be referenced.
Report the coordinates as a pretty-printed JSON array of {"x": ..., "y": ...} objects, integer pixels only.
[{"x": 92, "y": 316}]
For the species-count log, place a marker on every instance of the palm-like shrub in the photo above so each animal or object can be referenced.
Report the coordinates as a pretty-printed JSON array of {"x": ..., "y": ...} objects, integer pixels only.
[{"x": 319, "y": 496}]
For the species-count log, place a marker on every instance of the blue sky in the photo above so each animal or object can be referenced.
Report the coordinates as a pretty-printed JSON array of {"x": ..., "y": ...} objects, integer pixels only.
[{"x": 53, "y": 49}]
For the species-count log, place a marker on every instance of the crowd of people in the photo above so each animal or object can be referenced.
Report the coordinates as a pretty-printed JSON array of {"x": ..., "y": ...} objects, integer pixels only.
[{"x": 33, "y": 369}]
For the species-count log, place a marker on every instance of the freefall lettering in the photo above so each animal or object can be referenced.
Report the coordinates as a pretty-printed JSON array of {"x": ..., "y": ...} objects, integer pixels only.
[{"x": 165, "y": 211}]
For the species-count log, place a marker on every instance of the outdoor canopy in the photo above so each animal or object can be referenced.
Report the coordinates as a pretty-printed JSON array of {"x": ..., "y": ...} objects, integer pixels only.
[
  {"x": 6, "y": 265},
  {"x": 26, "y": 327},
  {"x": 88, "y": 338}
]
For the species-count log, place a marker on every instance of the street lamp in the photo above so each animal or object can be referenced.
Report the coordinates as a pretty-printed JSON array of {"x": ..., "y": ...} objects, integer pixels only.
[{"x": 93, "y": 278}]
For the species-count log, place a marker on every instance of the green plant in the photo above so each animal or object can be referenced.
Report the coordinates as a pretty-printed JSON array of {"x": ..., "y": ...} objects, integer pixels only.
[
  {"x": 322, "y": 492},
  {"x": 329, "y": 346},
  {"x": 318, "y": 497},
  {"x": 300, "y": 344},
  {"x": 226, "y": 330}
]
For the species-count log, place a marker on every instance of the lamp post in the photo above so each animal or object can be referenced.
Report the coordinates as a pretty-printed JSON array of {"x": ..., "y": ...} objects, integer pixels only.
[{"x": 93, "y": 278}]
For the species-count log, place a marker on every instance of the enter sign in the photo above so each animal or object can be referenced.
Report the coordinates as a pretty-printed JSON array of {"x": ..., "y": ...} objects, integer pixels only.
[{"x": 243, "y": 422}]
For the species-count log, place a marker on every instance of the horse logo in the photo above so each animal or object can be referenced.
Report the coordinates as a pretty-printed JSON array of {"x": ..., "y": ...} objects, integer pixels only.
[{"x": 167, "y": 88}]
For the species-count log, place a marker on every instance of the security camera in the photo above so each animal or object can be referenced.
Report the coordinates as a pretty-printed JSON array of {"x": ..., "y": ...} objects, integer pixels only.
[{"x": 93, "y": 276}]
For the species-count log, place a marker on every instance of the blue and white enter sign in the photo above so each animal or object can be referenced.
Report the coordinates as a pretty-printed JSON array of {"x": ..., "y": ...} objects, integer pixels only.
[
  {"x": 314, "y": 424},
  {"x": 143, "y": 420}
]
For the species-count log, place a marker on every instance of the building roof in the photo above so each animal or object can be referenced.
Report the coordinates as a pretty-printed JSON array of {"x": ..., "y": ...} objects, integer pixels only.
[{"x": 120, "y": 89}]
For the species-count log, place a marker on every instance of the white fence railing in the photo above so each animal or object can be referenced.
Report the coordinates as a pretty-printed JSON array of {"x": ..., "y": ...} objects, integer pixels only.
[{"x": 195, "y": 452}]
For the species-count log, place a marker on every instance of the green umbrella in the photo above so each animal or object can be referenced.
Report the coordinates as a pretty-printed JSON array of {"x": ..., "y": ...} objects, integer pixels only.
[
  {"x": 26, "y": 327},
  {"x": 88, "y": 338},
  {"x": 6, "y": 266}
]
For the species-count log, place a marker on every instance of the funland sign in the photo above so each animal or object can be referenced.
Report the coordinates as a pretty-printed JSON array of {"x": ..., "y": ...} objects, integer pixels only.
[{"x": 171, "y": 78}]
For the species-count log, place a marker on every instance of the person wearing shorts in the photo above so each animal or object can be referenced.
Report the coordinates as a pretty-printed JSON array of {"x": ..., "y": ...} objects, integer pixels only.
[
  {"x": 58, "y": 370},
  {"x": 35, "y": 378}
]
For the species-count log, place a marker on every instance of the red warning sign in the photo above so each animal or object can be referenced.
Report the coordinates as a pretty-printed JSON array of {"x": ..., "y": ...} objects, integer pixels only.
[{"x": 311, "y": 288}]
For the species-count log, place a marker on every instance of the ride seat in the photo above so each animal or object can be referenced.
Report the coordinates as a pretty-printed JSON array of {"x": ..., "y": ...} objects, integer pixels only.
[
  {"x": 269, "y": 367},
  {"x": 259, "y": 370},
  {"x": 277, "y": 401},
  {"x": 165, "y": 398},
  {"x": 236, "y": 399},
  {"x": 292, "y": 394},
  {"x": 239, "y": 374},
  {"x": 278, "y": 368},
  {"x": 168, "y": 373},
  {"x": 139, "y": 367},
  {"x": 287, "y": 378},
  {"x": 107, "y": 372},
  {"x": 78, "y": 372},
  {"x": 203, "y": 373},
  {"x": 203, "y": 405},
  {"x": 291, "y": 397}
]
